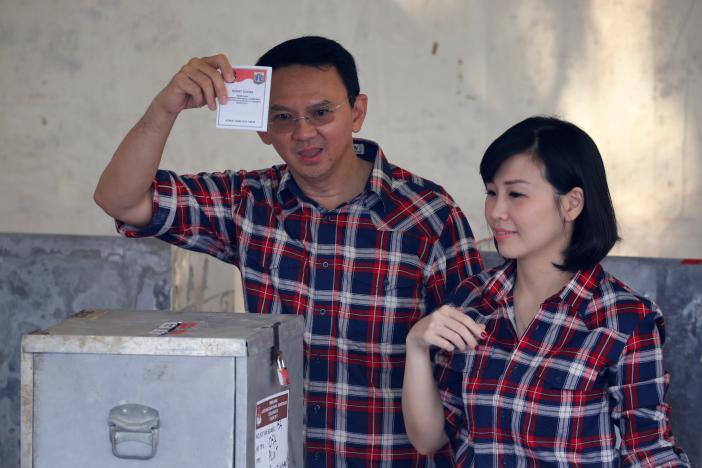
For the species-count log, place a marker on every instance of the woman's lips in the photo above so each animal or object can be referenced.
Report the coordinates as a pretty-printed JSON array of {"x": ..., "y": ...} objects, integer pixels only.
[{"x": 501, "y": 234}]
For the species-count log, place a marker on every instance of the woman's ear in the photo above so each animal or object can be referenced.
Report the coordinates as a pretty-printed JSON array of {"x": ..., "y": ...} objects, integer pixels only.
[{"x": 572, "y": 204}]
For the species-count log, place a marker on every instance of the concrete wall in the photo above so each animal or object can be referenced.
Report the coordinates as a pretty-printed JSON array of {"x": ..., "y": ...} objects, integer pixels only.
[{"x": 444, "y": 78}]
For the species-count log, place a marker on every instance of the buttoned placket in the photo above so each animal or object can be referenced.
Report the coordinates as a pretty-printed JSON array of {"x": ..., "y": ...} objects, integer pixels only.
[{"x": 514, "y": 370}]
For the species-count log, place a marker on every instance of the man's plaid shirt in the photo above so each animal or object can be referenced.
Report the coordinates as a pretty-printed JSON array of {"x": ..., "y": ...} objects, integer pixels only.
[
  {"x": 584, "y": 385},
  {"x": 361, "y": 275}
]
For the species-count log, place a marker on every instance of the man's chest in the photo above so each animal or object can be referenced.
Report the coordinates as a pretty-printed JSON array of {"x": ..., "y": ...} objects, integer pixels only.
[{"x": 339, "y": 263}]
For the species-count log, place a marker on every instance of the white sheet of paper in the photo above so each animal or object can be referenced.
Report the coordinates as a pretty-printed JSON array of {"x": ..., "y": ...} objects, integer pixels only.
[{"x": 247, "y": 99}]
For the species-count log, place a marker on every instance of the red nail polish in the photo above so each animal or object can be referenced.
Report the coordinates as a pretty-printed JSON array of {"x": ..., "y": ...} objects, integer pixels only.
[{"x": 483, "y": 335}]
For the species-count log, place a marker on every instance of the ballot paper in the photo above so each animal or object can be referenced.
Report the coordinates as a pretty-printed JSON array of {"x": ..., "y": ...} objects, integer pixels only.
[{"x": 247, "y": 99}]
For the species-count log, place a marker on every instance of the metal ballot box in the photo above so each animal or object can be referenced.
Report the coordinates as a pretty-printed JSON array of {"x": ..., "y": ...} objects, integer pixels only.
[{"x": 133, "y": 389}]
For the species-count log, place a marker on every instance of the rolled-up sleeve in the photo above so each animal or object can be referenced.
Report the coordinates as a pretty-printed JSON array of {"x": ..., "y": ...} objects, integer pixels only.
[
  {"x": 194, "y": 212},
  {"x": 637, "y": 396}
]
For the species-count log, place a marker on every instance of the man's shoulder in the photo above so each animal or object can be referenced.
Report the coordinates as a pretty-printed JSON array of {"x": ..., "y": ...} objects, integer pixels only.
[{"x": 411, "y": 184}]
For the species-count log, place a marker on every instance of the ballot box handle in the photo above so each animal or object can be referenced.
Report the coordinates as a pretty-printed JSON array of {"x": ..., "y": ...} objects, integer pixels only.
[{"x": 133, "y": 431}]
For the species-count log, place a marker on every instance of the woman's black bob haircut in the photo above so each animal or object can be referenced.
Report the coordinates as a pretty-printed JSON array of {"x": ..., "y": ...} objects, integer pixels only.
[
  {"x": 570, "y": 159},
  {"x": 315, "y": 51}
]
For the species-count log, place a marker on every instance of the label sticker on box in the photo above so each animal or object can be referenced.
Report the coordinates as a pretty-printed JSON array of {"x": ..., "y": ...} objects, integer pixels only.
[
  {"x": 271, "y": 436},
  {"x": 164, "y": 328}
]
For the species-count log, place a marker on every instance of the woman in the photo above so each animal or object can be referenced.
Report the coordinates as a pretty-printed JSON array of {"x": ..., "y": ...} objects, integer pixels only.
[{"x": 547, "y": 359}]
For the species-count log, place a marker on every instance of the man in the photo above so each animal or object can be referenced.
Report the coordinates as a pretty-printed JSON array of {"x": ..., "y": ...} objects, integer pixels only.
[{"x": 359, "y": 247}]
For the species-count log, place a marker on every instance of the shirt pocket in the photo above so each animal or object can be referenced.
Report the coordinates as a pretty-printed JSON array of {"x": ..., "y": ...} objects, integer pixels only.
[
  {"x": 384, "y": 309},
  {"x": 373, "y": 327},
  {"x": 562, "y": 377},
  {"x": 288, "y": 277},
  {"x": 569, "y": 407}
]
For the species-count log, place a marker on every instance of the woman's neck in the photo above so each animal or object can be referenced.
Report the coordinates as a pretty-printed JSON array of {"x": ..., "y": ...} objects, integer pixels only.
[
  {"x": 535, "y": 282},
  {"x": 541, "y": 280}
]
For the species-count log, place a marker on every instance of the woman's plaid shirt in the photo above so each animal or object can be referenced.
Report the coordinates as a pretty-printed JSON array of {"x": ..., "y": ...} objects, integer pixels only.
[
  {"x": 584, "y": 385},
  {"x": 361, "y": 275}
]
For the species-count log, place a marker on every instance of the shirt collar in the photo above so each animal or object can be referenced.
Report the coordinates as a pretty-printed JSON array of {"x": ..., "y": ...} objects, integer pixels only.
[
  {"x": 379, "y": 183},
  {"x": 577, "y": 292}
]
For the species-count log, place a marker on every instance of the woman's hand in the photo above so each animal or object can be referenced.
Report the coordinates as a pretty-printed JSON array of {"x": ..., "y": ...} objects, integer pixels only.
[{"x": 447, "y": 328}]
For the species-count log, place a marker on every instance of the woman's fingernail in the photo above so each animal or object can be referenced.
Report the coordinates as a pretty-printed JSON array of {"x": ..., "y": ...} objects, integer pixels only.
[{"x": 483, "y": 335}]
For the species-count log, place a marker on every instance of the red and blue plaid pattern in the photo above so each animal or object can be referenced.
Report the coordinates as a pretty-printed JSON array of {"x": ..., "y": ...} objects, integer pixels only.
[
  {"x": 361, "y": 275},
  {"x": 583, "y": 386}
]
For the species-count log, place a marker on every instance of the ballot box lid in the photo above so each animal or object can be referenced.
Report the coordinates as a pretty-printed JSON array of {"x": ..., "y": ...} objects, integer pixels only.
[{"x": 165, "y": 333}]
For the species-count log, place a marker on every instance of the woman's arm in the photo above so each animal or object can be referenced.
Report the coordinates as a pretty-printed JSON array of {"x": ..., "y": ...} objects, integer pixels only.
[
  {"x": 640, "y": 411},
  {"x": 449, "y": 329}
]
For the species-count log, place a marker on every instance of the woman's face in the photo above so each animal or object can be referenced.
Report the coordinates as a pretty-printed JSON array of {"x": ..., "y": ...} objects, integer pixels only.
[{"x": 528, "y": 219}]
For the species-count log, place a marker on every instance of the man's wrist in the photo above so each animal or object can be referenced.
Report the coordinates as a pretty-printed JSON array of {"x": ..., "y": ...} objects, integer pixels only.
[{"x": 158, "y": 119}]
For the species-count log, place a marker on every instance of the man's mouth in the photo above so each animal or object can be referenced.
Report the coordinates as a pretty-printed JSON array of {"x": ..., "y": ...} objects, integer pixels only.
[{"x": 307, "y": 153}]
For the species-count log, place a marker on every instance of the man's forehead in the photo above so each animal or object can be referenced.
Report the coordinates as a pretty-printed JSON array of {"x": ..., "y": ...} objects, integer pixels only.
[
  {"x": 302, "y": 80},
  {"x": 312, "y": 105}
]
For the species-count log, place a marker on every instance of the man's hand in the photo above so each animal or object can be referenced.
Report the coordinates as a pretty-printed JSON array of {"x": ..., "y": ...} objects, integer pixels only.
[
  {"x": 124, "y": 189},
  {"x": 199, "y": 82},
  {"x": 448, "y": 328}
]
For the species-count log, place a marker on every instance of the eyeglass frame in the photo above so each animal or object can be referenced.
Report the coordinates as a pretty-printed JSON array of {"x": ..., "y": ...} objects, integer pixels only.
[{"x": 293, "y": 122}]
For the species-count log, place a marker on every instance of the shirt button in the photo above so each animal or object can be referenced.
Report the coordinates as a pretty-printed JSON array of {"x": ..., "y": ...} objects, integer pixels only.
[
  {"x": 322, "y": 311},
  {"x": 316, "y": 408},
  {"x": 325, "y": 264}
]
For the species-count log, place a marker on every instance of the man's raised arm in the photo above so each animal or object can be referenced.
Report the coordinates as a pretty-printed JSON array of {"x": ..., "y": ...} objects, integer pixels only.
[{"x": 124, "y": 189}]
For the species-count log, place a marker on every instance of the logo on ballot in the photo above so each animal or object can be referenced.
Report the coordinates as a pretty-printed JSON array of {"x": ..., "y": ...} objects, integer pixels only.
[{"x": 259, "y": 77}]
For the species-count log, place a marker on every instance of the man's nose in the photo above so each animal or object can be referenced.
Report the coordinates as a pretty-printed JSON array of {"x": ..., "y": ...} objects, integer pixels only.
[{"x": 303, "y": 129}]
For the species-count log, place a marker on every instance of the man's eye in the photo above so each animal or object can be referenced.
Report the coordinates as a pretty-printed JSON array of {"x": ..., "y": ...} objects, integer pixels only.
[
  {"x": 282, "y": 117},
  {"x": 320, "y": 113}
]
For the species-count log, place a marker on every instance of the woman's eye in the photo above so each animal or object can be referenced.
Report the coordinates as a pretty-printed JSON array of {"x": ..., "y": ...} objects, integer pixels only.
[
  {"x": 515, "y": 194},
  {"x": 490, "y": 193}
]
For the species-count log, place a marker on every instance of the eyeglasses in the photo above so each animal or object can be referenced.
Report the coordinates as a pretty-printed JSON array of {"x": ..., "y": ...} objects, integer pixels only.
[{"x": 284, "y": 122}]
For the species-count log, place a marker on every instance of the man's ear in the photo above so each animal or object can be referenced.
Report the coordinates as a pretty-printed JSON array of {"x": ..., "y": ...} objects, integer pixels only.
[
  {"x": 358, "y": 112},
  {"x": 264, "y": 137},
  {"x": 572, "y": 204}
]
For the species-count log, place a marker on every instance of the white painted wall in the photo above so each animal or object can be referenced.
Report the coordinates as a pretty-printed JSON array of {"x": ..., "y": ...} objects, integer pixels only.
[{"x": 444, "y": 79}]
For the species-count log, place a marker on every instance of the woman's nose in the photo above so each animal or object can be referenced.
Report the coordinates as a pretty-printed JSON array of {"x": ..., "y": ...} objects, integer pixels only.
[{"x": 495, "y": 207}]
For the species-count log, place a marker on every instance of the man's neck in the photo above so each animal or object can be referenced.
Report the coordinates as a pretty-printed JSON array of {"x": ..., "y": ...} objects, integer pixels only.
[{"x": 330, "y": 193}]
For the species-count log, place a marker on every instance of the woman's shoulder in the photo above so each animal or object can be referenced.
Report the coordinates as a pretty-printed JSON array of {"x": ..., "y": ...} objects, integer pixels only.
[
  {"x": 615, "y": 305},
  {"x": 491, "y": 282}
]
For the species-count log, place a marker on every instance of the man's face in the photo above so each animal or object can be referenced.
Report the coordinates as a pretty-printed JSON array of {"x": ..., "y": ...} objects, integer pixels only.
[{"x": 316, "y": 153}]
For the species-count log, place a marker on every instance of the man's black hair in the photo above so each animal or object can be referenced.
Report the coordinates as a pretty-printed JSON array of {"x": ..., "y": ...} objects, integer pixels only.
[
  {"x": 315, "y": 51},
  {"x": 570, "y": 159}
]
